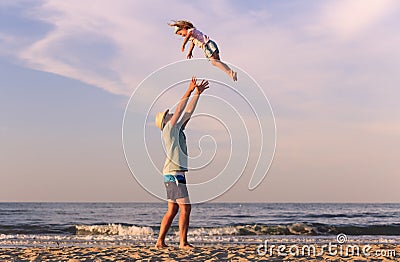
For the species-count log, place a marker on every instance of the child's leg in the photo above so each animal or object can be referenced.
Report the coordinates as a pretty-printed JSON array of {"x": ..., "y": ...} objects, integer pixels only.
[{"x": 215, "y": 61}]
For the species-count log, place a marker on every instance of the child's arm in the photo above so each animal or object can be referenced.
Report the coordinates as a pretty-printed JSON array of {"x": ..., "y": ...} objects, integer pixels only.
[
  {"x": 190, "y": 55},
  {"x": 189, "y": 34}
]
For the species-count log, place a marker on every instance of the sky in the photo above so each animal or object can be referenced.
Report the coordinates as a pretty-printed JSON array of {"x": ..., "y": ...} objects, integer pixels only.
[{"x": 329, "y": 70}]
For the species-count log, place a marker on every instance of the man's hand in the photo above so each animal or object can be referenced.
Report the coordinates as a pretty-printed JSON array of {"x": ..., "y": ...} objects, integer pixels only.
[
  {"x": 189, "y": 55},
  {"x": 202, "y": 86},
  {"x": 193, "y": 84},
  {"x": 183, "y": 48}
]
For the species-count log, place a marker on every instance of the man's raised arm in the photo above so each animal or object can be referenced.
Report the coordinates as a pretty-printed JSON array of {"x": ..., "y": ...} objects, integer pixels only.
[
  {"x": 193, "y": 103},
  {"x": 183, "y": 102}
]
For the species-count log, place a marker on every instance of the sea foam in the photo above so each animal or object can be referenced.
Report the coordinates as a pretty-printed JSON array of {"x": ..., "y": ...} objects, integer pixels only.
[{"x": 113, "y": 229}]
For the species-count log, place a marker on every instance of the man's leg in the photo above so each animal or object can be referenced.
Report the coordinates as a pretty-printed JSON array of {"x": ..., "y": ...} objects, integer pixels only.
[
  {"x": 166, "y": 223},
  {"x": 185, "y": 207}
]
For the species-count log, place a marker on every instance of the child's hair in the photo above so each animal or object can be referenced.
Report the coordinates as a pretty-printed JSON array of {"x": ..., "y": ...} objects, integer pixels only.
[{"x": 181, "y": 24}]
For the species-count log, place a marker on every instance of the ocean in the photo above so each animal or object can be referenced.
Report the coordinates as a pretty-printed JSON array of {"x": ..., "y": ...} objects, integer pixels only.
[{"x": 97, "y": 224}]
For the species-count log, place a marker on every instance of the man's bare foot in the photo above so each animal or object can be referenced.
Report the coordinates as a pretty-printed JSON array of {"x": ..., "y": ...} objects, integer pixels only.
[
  {"x": 186, "y": 246},
  {"x": 161, "y": 245}
]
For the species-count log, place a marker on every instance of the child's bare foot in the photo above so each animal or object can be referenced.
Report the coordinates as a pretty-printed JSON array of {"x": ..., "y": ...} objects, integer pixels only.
[
  {"x": 186, "y": 246},
  {"x": 234, "y": 75}
]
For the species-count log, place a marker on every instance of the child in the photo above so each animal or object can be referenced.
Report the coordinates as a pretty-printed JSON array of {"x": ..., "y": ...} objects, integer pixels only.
[{"x": 210, "y": 48}]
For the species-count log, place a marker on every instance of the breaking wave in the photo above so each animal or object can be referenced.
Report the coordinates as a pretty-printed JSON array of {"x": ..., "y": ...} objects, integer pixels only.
[
  {"x": 293, "y": 229},
  {"x": 113, "y": 229}
]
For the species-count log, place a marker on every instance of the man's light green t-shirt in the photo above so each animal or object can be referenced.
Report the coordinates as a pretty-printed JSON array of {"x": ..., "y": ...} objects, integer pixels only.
[{"x": 175, "y": 146}]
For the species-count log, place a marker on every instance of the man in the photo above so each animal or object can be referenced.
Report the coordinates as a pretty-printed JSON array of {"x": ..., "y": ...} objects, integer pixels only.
[{"x": 176, "y": 163}]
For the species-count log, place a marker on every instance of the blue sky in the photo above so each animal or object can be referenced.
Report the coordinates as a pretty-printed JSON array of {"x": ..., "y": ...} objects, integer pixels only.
[{"x": 329, "y": 69}]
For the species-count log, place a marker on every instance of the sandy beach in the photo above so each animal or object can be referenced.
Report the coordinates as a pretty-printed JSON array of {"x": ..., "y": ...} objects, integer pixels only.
[
  {"x": 221, "y": 232},
  {"x": 203, "y": 253}
]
